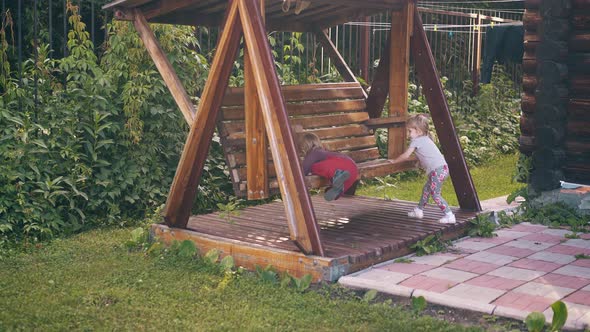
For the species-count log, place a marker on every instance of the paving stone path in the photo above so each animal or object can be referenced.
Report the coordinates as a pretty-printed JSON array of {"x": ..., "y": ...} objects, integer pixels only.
[{"x": 525, "y": 268}]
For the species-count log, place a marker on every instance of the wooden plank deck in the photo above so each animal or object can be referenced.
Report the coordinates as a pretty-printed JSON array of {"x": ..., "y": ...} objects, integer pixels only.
[{"x": 356, "y": 232}]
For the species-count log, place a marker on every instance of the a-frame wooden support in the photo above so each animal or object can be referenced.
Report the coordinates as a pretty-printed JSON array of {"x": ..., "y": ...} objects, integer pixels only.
[
  {"x": 441, "y": 117},
  {"x": 242, "y": 16},
  {"x": 432, "y": 89},
  {"x": 399, "y": 69}
]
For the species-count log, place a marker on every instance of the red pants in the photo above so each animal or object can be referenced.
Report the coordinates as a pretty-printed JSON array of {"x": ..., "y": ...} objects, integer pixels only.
[{"x": 327, "y": 168}]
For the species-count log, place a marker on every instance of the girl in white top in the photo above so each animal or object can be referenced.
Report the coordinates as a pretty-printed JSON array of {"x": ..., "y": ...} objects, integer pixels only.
[{"x": 433, "y": 163}]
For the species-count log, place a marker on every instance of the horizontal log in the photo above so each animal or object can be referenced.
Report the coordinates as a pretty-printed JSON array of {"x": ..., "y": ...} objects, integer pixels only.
[
  {"x": 238, "y": 159},
  {"x": 554, "y": 50},
  {"x": 579, "y": 86},
  {"x": 555, "y": 28},
  {"x": 579, "y": 42},
  {"x": 528, "y": 102},
  {"x": 386, "y": 122},
  {"x": 549, "y": 136},
  {"x": 367, "y": 170},
  {"x": 555, "y": 8},
  {"x": 579, "y": 63},
  {"x": 307, "y": 108},
  {"x": 578, "y": 128},
  {"x": 550, "y": 113},
  {"x": 304, "y": 92},
  {"x": 306, "y": 122},
  {"x": 531, "y": 20},
  {"x": 529, "y": 66},
  {"x": 579, "y": 147},
  {"x": 527, "y": 125},
  {"x": 551, "y": 71},
  {"x": 547, "y": 158},
  {"x": 529, "y": 83},
  {"x": 579, "y": 109},
  {"x": 546, "y": 179}
]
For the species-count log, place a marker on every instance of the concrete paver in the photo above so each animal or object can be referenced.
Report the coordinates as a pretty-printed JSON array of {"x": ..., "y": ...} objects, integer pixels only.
[
  {"x": 544, "y": 290},
  {"x": 525, "y": 268},
  {"x": 511, "y": 251},
  {"x": 531, "y": 245},
  {"x": 469, "y": 265},
  {"x": 516, "y": 273},
  {"x": 450, "y": 274},
  {"x": 574, "y": 271},
  {"x": 490, "y": 281},
  {"x": 490, "y": 257},
  {"x": 533, "y": 264},
  {"x": 475, "y": 293},
  {"x": 563, "y": 280},
  {"x": 548, "y": 256},
  {"x": 436, "y": 259}
]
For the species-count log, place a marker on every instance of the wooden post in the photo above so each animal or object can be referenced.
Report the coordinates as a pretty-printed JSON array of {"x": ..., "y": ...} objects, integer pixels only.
[
  {"x": 190, "y": 167},
  {"x": 256, "y": 141},
  {"x": 380, "y": 84},
  {"x": 441, "y": 117},
  {"x": 365, "y": 36},
  {"x": 164, "y": 67},
  {"x": 399, "y": 68},
  {"x": 476, "y": 56},
  {"x": 300, "y": 214}
]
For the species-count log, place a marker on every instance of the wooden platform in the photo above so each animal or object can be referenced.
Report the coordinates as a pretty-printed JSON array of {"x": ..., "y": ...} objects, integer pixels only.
[{"x": 356, "y": 232}]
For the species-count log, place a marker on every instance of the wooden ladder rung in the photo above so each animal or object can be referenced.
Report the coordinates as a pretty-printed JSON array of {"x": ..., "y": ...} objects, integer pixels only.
[{"x": 386, "y": 122}]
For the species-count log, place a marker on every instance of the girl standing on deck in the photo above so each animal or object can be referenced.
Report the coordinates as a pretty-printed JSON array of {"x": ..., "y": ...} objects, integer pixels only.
[
  {"x": 432, "y": 161},
  {"x": 339, "y": 168}
]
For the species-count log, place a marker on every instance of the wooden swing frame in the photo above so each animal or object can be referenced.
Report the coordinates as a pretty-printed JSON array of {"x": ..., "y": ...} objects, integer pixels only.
[{"x": 265, "y": 112}]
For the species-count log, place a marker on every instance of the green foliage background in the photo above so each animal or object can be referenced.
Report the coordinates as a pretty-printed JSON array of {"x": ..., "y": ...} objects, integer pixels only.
[{"x": 87, "y": 142}]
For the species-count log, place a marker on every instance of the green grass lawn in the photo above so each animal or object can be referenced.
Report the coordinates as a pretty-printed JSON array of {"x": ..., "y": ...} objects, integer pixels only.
[
  {"x": 91, "y": 282},
  {"x": 491, "y": 180}
]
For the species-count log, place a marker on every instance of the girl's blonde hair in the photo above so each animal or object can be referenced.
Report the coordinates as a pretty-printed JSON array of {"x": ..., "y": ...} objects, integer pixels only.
[
  {"x": 308, "y": 142},
  {"x": 419, "y": 122}
]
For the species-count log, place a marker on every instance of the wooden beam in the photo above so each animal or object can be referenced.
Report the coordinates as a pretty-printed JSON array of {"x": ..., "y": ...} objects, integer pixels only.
[
  {"x": 184, "y": 187},
  {"x": 477, "y": 54},
  {"x": 399, "y": 71},
  {"x": 441, "y": 117},
  {"x": 300, "y": 214},
  {"x": 380, "y": 84},
  {"x": 164, "y": 67},
  {"x": 365, "y": 40},
  {"x": 256, "y": 141},
  {"x": 333, "y": 53}
]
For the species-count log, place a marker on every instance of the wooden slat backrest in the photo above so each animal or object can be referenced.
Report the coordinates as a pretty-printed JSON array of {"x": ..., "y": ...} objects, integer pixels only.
[{"x": 333, "y": 111}]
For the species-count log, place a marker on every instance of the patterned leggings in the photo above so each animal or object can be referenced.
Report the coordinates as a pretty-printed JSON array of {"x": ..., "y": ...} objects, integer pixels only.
[{"x": 433, "y": 188}]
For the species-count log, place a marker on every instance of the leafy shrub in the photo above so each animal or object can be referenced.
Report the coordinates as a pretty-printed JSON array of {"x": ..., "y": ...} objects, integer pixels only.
[
  {"x": 85, "y": 142},
  {"x": 482, "y": 226}
]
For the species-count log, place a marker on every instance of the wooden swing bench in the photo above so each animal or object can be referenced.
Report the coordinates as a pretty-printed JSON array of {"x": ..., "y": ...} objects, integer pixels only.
[
  {"x": 301, "y": 234},
  {"x": 336, "y": 112}
]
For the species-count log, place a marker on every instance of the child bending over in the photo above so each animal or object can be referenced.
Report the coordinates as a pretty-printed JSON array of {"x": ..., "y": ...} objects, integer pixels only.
[
  {"x": 432, "y": 161},
  {"x": 339, "y": 168}
]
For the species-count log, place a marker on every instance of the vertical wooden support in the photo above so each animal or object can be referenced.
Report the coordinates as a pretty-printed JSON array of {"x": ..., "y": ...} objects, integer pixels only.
[
  {"x": 185, "y": 183},
  {"x": 164, "y": 67},
  {"x": 477, "y": 56},
  {"x": 399, "y": 70},
  {"x": 300, "y": 214},
  {"x": 380, "y": 84},
  {"x": 441, "y": 117},
  {"x": 365, "y": 36},
  {"x": 256, "y": 141}
]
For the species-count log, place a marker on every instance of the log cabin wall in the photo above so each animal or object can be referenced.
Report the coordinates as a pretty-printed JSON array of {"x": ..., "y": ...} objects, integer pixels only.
[{"x": 555, "y": 121}]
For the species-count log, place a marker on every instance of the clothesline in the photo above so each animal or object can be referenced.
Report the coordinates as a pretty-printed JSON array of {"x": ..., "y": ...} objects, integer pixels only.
[
  {"x": 436, "y": 26},
  {"x": 469, "y": 2},
  {"x": 487, "y": 11}
]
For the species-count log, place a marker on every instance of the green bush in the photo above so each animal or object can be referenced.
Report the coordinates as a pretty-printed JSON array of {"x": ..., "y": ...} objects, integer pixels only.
[{"x": 85, "y": 142}]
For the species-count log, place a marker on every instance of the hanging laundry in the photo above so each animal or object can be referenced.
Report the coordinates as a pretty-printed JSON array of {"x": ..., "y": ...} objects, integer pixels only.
[{"x": 503, "y": 43}]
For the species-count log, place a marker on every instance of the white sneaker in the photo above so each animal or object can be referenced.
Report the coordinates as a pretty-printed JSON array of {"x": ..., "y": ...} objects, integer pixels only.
[
  {"x": 416, "y": 213},
  {"x": 449, "y": 218}
]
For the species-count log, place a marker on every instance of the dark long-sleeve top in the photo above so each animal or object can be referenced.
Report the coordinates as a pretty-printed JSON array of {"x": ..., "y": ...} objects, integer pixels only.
[{"x": 317, "y": 155}]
